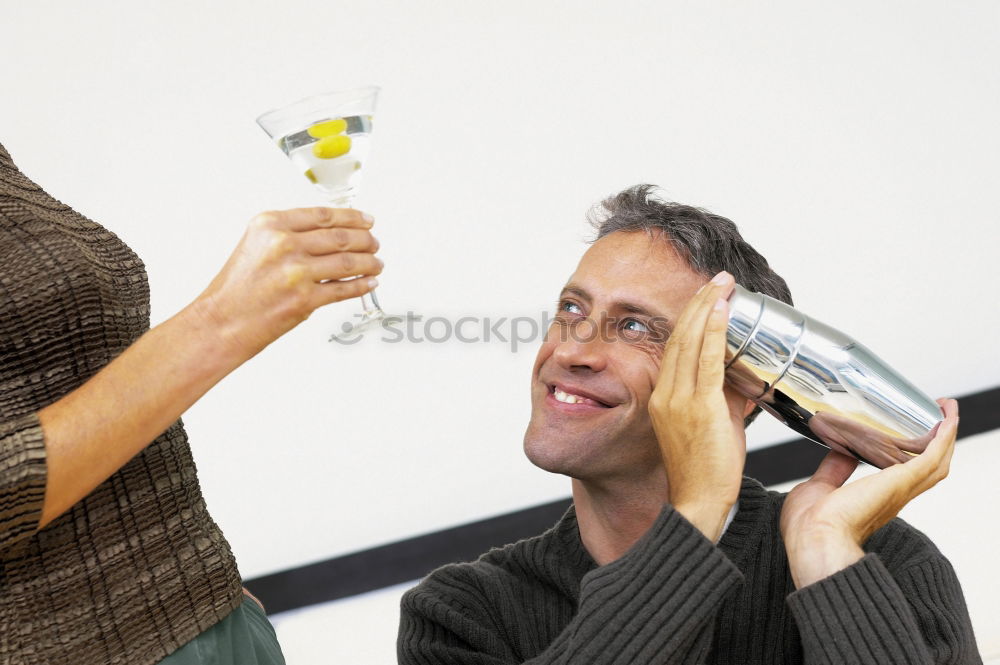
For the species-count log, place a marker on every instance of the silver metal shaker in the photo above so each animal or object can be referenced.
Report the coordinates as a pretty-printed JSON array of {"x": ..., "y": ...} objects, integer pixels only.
[{"x": 824, "y": 385}]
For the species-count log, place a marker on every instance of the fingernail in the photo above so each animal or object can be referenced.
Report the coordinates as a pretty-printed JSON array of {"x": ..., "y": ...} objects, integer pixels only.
[
  {"x": 719, "y": 304},
  {"x": 720, "y": 278},
  {"x": 368, "y": 218},
  {"x": 372, "y": 283}
]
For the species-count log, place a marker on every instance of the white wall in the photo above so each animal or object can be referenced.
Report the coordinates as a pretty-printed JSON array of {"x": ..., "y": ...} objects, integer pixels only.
[{"x": 855, "y": 144}]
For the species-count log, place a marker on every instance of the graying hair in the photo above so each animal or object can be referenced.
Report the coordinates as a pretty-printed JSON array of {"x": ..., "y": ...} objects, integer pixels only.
[{"x": 709, "y": 243}]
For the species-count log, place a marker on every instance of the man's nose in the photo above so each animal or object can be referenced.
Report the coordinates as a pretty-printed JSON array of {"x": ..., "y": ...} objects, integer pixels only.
[{"x": 581, "y": 345}]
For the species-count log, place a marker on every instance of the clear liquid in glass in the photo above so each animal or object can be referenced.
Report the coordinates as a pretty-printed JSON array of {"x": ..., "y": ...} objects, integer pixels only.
[{"x": 330, "y": 154}]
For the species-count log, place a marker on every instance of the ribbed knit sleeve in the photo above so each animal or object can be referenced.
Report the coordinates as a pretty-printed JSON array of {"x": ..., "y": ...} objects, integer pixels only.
[
  {"x": 862, "y": 614},
  {"x": 657, "y": 604},
  {"x": 22, "y": 478}
]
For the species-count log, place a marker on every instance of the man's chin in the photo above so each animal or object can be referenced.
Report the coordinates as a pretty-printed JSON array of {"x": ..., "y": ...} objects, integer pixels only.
[
  {"x": 555, "y": 454},
  {"x": 550, "y": 463}
]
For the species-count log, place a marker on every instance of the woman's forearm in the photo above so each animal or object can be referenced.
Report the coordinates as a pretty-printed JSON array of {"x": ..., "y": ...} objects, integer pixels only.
[
  {"x": 287, "y": 264},
  {"x": 96, "y": 429}
]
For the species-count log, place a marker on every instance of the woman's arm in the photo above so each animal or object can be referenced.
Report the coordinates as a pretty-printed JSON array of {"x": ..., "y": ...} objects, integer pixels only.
[{"x": 279, "y": 273}]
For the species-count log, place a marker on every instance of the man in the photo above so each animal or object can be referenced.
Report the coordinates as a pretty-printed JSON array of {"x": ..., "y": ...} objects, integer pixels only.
[{"x": 668, "y": 554}]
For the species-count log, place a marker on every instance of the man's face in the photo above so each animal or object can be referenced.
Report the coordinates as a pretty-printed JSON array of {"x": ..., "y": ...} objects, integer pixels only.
[{"x": 603, "y": 348}]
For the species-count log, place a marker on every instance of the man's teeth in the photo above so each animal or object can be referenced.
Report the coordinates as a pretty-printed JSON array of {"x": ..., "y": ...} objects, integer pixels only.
[{"x": 567, "y": 398}]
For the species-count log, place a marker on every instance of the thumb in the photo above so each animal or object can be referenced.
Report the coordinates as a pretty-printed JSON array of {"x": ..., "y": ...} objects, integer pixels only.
[{"x": 834, "y": 470}]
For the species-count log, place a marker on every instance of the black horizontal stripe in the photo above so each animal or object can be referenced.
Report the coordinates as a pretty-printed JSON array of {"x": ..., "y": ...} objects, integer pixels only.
[
  {"x": 791, "y": 460},
  {"x": 398, "y": 562},
  {"x": 411, "y": 559}
]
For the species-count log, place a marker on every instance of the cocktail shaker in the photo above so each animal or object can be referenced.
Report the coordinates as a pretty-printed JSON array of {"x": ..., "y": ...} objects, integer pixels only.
[{"x": 824, "y": 385}]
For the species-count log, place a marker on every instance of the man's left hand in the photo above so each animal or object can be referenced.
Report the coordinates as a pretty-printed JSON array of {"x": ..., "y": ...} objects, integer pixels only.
[{"x": 824, "y": 523}]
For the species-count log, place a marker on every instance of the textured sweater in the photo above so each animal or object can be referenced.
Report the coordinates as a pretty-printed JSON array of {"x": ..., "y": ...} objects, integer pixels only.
[
  {"x": 674, "y": 597},
  {"x": 137, "y": 568}
]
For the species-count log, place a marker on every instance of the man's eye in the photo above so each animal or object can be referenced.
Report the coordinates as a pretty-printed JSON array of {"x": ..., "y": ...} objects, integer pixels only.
[
  {"x": 633, "y": 325},
  {"x": 571, "y": 307}
]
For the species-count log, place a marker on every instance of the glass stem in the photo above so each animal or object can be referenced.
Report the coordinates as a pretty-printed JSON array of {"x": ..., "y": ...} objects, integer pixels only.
[{"x": 369, "y": 302}]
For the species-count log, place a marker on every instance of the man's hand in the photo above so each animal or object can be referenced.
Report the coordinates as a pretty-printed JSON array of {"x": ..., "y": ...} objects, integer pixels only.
[
  {"x": 824, "y": 523},
  {"x": 700, "y": 437}
]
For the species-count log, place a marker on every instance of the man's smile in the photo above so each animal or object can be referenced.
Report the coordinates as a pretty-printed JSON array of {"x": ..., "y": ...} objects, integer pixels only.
[{"x": 572, "y": 399}]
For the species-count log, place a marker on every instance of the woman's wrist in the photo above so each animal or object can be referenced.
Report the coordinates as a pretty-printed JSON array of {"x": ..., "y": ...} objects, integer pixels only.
[{"x": 215, "y": 334}]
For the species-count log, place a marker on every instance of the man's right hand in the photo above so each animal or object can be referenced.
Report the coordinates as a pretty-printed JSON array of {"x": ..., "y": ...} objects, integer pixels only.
[
  {"x": 287, "y": 264},
  {"x": 699, "y": 427}
]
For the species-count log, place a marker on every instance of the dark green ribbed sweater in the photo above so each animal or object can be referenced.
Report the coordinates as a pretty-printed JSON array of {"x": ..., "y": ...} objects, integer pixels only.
[{"x": 677, "y": 598}]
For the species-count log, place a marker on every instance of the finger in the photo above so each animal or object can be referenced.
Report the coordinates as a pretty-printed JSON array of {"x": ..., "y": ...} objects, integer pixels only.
[
  {"x": 834, "y": 470},
  {"x": 934, "y": 463},
  {"x": 343, "y": 265},
  {"x": 306, "y": 219},
  {"x": 337, "y": 290},
  {"x": 950, "y": 408},
  {"x": 943, "y": 402},
  {"x": 319, "y": 242},
  {"x": 677, "y": 339},
  {"x": 944, "y": 466},
  {"x": 900, "y": 483},
  {"x": 668, "y": 365},
  {"x": 919, "y": 444},
  {"x": 712, "y": 364},
  {"x": 944, "y": 437},
  {"x": 929, "y": 474},
  {"x": 703, "y": 300},
  {"x": 689, "y": 334}
]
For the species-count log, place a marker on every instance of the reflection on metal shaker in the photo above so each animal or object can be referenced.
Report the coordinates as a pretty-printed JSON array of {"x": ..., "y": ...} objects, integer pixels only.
[{"x": 824, "y": 385}]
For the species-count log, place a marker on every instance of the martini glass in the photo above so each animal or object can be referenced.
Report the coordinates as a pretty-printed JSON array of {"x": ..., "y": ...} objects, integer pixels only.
[{"x": 327, "y": 138}]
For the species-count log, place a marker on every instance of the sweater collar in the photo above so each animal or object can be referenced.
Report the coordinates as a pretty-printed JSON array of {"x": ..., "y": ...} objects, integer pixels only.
[
  {"x": 573, "y": 559},
  {"x": 750, "y": 522},
  {"x": 743, "y": 533}
]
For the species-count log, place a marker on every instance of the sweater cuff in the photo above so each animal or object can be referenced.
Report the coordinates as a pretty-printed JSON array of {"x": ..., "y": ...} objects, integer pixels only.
[
  {"x": 673, "y": 542},
  {"x": 857, "y": 615},
  {"x": 23, "y": 476}
]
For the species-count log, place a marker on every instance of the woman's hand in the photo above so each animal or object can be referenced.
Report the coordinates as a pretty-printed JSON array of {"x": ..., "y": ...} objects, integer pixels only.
[{"x": 288, "y": 264}]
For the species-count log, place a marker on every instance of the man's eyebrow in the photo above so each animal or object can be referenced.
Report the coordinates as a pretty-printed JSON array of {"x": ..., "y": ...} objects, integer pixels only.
[
  {"x": 623, "y": 305},
  {"x": 575, "y": 290}
]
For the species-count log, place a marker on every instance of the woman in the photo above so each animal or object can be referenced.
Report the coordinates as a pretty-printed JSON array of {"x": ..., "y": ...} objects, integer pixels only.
[{"x": 107, "y": 552}]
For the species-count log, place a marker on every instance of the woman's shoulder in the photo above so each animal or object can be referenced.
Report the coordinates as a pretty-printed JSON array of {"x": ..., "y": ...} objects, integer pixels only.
[
  {"x": 34, "y": 222},
  {"x": 25, "y": 206}
]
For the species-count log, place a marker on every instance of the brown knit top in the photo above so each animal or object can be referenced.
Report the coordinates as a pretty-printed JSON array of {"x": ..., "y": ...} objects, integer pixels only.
[{"x": 138, "y": 567}]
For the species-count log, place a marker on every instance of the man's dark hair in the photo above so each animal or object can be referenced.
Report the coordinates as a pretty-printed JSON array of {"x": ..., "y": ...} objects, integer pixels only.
[{"x": 709, "y": 243}]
